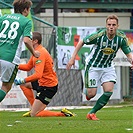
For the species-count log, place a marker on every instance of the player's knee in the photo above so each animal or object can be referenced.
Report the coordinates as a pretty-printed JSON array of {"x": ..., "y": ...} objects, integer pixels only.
[{"x": 90, "y": 93}]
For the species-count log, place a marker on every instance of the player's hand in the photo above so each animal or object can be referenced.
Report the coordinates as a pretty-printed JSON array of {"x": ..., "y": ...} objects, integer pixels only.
[
  {"x": 131, "y": 67},
  {"x": 70, "y": 63},
  {"x": 19, "y": 81},
  {"x": 130, "y": 60},
  {"x": 36, "y": 54}
]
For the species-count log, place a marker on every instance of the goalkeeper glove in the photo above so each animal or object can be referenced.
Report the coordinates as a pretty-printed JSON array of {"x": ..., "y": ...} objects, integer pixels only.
[{"x": 19, "y": 81}]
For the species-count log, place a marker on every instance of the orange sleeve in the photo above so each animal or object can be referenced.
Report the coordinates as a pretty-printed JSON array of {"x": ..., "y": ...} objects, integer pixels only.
[
  {"x": 28, "y": 66},
  {"x": 38, "y": 67}
]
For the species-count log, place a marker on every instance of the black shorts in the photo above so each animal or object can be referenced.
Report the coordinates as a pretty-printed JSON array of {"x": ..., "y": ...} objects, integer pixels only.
[
  {"x": 35, "y": 85},
  {"x": 44, "y": 94}
]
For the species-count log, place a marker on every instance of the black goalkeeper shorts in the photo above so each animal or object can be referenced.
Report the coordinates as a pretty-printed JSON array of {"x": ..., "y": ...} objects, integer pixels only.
[{"x": 44, "y": 94}]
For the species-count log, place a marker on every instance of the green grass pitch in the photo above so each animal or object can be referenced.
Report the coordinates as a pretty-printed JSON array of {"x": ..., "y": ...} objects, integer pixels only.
[{"x": 112, "y": 120}]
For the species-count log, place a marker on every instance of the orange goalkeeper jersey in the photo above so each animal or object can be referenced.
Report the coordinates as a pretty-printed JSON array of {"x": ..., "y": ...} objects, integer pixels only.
[{"x": 43, "y": 67}]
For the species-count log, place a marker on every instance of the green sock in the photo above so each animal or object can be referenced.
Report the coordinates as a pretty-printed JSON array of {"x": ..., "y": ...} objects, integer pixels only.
[
  {"x": 2, "y": 95},
  {"x": 102, "y": 101}
]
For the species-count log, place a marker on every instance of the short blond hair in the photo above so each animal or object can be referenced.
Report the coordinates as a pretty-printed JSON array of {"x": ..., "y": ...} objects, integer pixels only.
[{"x": 112, "y": 16}]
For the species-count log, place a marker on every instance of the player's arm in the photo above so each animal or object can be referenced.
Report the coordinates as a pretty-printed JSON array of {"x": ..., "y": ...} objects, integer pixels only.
[
  {"x": 27, "y": 39},
  {"x": 38, "y": 67},
  {"x": 28, "y": 66},
  {"x": 127, "y": 51},
  {"x": 130, "y": 59},
  {"x": 88, "y": 40},
  {"x": 28, "y": 44},
  {"x": 72, "y": 60},
  {"x": 125, "y": 47}
]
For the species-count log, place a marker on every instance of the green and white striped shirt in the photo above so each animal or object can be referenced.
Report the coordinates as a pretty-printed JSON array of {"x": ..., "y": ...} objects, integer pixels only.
[
  {"x": 104, "y": 50},
  {"x": 13, "y": 28}
]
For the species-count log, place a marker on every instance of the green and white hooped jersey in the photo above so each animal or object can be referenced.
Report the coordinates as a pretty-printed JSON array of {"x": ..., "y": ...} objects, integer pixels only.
[
  {"x": 13, "y": 27},
  {"x": 104, "y": 50}
]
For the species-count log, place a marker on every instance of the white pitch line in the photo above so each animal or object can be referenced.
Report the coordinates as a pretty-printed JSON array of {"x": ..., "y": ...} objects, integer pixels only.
[
  {"x": 129, "y": 129},
  {"x": 57, "y": 108}
]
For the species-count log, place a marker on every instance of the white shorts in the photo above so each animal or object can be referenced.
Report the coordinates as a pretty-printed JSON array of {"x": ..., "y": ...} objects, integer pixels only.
[
  {"x": 95, "y": 76},
  {"x": 8, "y": 71}
]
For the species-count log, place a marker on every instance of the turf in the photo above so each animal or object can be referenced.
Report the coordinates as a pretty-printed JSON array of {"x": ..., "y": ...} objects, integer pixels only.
[{"x": 112, "y": 120}]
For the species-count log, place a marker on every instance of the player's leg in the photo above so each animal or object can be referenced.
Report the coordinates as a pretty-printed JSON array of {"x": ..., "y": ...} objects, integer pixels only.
[
  {"x": 8, "y": 73},
  {"x": 91, "y": 83},
  {"x": 37, "y": 107},
  {"x": 90, "y": 93},
  {"x": 38, "y": 110},
  {"x": 27, "y": 89},
  {"x": 102, "y": 101},
  {"x": 48, "y": 94},
  {"x": 108, "y": 79},
  {"x": 28, "y": 92},
  {"x": 4, "y": 90},
  {"x": 43, "y": 98}
]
